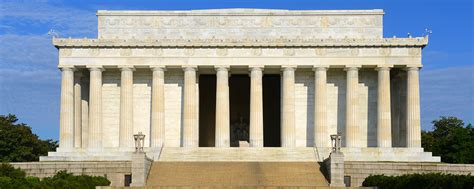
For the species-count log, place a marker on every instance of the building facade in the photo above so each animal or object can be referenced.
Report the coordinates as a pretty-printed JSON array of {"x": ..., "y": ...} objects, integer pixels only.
[{"x": 204, "y": 84}]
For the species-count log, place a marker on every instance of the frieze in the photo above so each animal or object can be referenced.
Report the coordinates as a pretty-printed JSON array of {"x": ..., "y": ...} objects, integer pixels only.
[
  {"x": 384, "y": 51},
  {"x": 221, "y": 52},
  {"x": 65, "y": 52},
  {"x": 125, "y": 52},
  {"x": 94, "y": 52},
  {"x": 239, "y": 52},
  {"x": 414, "y": 51},
  {"x": 248, "y": 42}
]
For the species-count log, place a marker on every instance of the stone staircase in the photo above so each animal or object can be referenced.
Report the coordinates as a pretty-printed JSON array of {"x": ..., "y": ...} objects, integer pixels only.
[{"x": 178, "y": 174}]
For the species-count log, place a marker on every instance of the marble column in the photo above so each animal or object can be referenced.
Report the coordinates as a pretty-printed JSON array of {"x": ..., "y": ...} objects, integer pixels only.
[
  {"x": 256, "y": 107},
  {"x": 157, "y": 131},
  {"x": 85, "y": 110},
  {"x": 384, "y": 116},
  {"x": 77, "y": 110},
  {"x": 190, "y": 126},
  {"x": 222, "y": 107},
  {"x": 288, "y": 108},
  {"x": 321, "y": 135},
  {"x": 126, "y": 107},
  {"x": 95, "y": 109},
  {"x": 352, "y": 98},
  {"x": 413, "y": 108},
  {"x": 66, "y": 116}
]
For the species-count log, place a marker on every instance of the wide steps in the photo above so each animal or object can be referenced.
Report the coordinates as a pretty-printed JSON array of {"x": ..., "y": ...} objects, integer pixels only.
[{"x": 235, "y": 174}]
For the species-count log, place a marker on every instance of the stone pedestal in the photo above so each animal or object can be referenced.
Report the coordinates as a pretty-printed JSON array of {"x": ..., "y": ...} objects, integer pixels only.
[
  {"x": 335, "y": 168},
  {"x": 140, "y": 167}
]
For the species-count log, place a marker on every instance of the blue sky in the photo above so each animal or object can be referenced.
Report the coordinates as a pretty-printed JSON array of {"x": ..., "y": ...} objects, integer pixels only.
[{"x": 30, "y": 80}]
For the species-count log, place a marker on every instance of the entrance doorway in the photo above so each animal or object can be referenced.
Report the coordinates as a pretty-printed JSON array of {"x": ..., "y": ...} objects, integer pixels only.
[
  {"x": 271, "y": 111},
  {"x": 239, "y": 101},
  {"x": 207, "y": 110}
]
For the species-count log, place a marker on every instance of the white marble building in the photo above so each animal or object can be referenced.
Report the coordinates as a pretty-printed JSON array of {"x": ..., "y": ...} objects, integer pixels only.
[{"x": 197, "y": 82}]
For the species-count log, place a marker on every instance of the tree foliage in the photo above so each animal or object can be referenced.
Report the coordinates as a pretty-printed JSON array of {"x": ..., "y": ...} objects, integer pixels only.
[
  {"x": 18, "y": 143},
  {"x": 420, "y": 181},
  {"x": 451, "y": 140},
  {"x": 14, "y": 178}
]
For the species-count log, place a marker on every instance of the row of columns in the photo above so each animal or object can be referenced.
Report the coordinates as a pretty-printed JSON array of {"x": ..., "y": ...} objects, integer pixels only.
[{"x": 70, "y": 115}]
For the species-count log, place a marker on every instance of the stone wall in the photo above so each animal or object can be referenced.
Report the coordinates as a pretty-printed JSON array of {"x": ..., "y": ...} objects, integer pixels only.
[
  {"x": 239, "y": 24},
  {"x": 358, "y": 171},
  {"x": 115, "y": 171}
]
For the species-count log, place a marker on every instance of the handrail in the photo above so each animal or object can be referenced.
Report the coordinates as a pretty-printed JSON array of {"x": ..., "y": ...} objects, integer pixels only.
[{"x": 316, "y": 151}]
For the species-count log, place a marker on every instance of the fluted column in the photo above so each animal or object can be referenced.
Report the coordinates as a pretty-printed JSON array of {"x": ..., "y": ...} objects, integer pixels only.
[
  {"x": 413, "y": 108},
  {"x": 288, "y": 108},
  {"x": 384, "y": 116},
  {"x": 157, "y": 131},
  {"x": 85, "y": 110},
  {"x": 222, "y": 107},
  {"x": 77, "y": 110},
  {"x": 95, "y": 108},
  {"x": 126, "y": 107},
  {"x": 256, "y": 107},
  {"x": 352, "y": 98},
  {"x": 321, "y": 136},
  {"x": 190, "y": 127},
  {"x": 66, "y": 116}
]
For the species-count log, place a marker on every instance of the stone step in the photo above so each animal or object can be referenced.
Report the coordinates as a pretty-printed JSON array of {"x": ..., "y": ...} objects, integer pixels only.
[{"x": 236, "y": 174}]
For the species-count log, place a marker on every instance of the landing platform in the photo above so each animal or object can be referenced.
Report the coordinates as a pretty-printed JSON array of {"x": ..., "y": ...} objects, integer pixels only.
[{"x": 250, "y": 154}]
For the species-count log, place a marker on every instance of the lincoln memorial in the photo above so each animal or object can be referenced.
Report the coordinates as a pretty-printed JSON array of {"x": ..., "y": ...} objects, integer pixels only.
[{"x": 240, "y": 85}]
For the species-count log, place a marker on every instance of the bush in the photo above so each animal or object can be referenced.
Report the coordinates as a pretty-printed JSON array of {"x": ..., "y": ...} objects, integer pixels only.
[
  {"x": 14, "y": 178},
  {"x": 421, "y": 181}
]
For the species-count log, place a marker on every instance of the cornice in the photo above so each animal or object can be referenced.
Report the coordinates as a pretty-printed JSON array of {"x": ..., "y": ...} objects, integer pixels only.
[
  {"x": 239, "y": 12},
  {"x": 238, "y": 43}
]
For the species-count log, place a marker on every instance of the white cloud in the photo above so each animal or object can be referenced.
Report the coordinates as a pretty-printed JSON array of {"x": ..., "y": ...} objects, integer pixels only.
[
  {"x": 447, "y": 92},
  {"x": 67, "y": 20},
  {"x": 27, "y": 51}
]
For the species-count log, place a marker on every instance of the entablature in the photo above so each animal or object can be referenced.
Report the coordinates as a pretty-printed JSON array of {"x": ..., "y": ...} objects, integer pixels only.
[{"x": 239, "y": 43}]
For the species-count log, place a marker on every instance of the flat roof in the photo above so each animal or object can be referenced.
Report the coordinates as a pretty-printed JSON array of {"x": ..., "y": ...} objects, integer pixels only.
[{"x": 236, "y": 12}]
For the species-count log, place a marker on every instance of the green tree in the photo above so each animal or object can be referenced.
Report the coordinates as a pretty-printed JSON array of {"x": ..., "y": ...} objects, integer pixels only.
[
  {"x": 18, "y": 143},
  {"x": 451, "y": 140}
]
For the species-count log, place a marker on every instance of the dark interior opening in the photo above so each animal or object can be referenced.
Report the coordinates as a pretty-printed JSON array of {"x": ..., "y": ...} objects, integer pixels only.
[
  {"x": 239, "y": 94},
  {"x": 271, "y": 111},
  {"x": 239, "y": 97},
  {"x": 207, "y": 110}
]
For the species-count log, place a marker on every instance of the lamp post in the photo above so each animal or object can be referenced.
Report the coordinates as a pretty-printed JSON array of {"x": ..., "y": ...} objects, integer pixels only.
[
  {"x": 336, "y": 142},
  {"x": 139, "y": 142}
]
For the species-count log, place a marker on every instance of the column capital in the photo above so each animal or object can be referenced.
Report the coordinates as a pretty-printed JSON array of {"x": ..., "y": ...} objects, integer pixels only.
[
  {"x": 222, "y": 68},
  {"x": 189, "y": 68},
  {"x": 67, "y": 68},
  {"x": 383, "y": 67},
  {"x": 126, "y": 68},
  {"x": 320, "y": 67},
  {"x": 288, "y": 68},
  {"x": 256, "y": 68},
  {"x": 158, "y": 68},
  {"x": 352, "y": 68},
  {"x": 95, "y": 68},
  {"x": 413, "y": 67}
]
